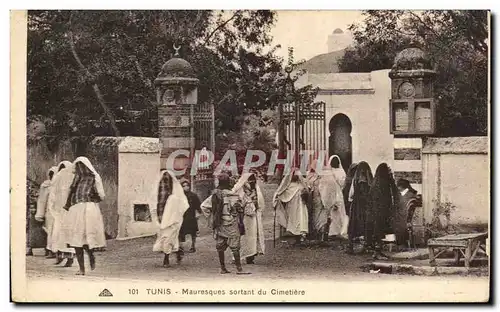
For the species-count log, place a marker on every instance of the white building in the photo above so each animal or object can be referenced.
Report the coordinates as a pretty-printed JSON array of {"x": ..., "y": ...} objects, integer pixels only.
[{"x": 339, "y": 40}]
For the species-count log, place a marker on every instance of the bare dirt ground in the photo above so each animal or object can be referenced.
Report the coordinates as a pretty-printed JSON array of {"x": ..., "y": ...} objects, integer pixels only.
[{"x": 135, "y": 260}]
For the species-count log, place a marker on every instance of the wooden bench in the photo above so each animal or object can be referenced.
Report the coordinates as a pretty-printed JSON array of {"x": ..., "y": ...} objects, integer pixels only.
[{"x": 466, "y": 245}]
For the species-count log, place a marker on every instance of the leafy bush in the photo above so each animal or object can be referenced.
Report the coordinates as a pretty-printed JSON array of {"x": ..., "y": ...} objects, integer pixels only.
[{"x": 437, "y": 227}]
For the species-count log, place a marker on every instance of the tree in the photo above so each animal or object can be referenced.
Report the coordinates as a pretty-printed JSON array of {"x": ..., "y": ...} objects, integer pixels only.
[
  {"x": 457, "y": 43},
  {"x": 92, "y": 72}
]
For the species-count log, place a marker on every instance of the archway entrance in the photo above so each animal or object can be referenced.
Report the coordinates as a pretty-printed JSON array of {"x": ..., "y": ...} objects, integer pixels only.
[{"x": 340, "y": 141}]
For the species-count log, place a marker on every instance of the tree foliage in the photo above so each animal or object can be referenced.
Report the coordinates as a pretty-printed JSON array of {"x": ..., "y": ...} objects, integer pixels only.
[
  {"x": 457, "y": 44},
  {"x": 92, "y": 72}
]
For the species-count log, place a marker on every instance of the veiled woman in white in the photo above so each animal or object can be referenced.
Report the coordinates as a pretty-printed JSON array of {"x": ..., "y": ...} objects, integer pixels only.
[
  {"x": 290, "y": 205},
  {"x": 318, "y": 213},
  {"x": 338, "y": 171},
  {"x": 253, "y": 241},
  {"x": 328, "y": 209},
  {"x": 42, "y": 212},
  {"x": 331, "y": 189},
  {"x": 83, "y": 226},
  {"x": 167, "y": 204},
  {"x": 59, "y": 192}
]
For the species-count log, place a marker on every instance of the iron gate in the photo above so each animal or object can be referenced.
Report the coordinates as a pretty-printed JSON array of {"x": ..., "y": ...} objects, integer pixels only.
[
  {"x": 311, "y": 127},
  {"x": 203, "y": 131}
]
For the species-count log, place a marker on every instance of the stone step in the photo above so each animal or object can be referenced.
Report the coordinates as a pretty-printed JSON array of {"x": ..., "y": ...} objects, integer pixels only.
[{"x": 421, "y": 253}]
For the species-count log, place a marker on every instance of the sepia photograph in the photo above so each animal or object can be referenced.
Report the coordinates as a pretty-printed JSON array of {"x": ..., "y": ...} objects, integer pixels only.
[{"x": 250, "y": 156}]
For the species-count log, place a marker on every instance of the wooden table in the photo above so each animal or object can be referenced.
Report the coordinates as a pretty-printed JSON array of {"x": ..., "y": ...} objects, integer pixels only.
[{"x": 466, "y": 245}]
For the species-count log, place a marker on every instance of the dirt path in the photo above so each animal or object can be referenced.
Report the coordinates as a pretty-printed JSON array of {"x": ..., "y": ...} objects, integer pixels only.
[{"x": 134, "y": 259}]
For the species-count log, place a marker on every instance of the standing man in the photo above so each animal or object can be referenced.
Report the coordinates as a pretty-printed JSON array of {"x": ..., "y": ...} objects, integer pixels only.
[
  {"x": 224, "y": 211},
  {"x": 190, "y": 223}
]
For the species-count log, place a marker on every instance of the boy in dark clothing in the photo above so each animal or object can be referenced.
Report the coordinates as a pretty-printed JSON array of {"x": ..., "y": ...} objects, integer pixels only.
[{"x": 190, "y": 222}]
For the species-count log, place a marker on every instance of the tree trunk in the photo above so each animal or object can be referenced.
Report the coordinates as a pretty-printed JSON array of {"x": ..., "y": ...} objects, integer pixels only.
[{"x": 95, "y": 87}]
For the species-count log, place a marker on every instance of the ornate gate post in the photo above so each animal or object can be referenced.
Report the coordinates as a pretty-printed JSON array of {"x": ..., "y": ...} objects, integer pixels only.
[
  {"x": 177, "y": 95},
  {"x": 412, "y": 117},
  {"x": 184, "y": 124}
]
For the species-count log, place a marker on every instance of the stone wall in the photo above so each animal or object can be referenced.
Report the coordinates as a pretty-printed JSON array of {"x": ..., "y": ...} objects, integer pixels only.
[
  {"x": 457, "y": 170},
  {"x": 103, "y": 153}
]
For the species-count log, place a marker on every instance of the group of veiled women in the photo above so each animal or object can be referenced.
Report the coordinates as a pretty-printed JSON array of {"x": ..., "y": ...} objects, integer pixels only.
[
  {"x": 356, "y": 206},
  {"x": 377, "y": 206},
  {"x": 68, "y": 207},
  {"x": 311, "y": 205}
]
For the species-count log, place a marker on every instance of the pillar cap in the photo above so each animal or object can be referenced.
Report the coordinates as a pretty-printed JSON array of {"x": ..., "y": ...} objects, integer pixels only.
[{"x": 412, "y": 59}]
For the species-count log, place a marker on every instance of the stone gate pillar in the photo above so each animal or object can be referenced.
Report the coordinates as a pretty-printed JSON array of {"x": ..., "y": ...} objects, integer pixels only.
[
  {"x": 413, "y": 116},
  {"x": 177, "y": 95}
]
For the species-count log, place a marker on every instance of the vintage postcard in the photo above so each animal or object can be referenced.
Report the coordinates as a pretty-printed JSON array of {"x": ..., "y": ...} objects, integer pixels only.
[{"x": 250, "y": 156}]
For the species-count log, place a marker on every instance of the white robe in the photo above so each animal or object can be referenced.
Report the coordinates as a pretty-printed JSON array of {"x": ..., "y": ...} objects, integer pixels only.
[
  {"x": 291, "y": 211},
  {"x": 320, "y": 213},
  {"x": 167, "y": 240},
  {"x": 253, "y": 242},
  {"x": 333, "y": 199},
  {"x": 57, "y": 199},
  {"x": 42, "y": 211},
  {"x": 83, "y": 223}
]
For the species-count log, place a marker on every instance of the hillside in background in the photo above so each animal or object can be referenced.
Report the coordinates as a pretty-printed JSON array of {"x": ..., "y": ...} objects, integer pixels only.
[{"x": 324, "y": 63}]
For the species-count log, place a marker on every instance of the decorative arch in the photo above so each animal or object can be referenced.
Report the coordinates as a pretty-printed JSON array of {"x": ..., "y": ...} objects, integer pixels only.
[{"x": 340, "y": 140}]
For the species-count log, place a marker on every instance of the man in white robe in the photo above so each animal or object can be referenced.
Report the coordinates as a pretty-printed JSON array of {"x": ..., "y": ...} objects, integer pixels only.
[
  {"x": 253, "y": 241},
  {"x": 57, "y": 199},
  {"x": 167, "y": 205},
  {"x": 290, "y": 205}
]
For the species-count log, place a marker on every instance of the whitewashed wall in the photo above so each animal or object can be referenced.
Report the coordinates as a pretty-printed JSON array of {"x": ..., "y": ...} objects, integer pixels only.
[
  {"x": 139, "y": 167},
  {"x": 136, "y": 179},
  {"x": 459, "y": 175}
]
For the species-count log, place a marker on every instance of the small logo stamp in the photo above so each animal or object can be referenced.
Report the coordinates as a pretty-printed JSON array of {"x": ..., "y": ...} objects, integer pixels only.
[{"x": 105, "y": 293}]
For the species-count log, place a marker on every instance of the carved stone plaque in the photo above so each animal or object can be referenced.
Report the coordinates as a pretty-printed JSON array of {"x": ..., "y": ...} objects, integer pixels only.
[
  {"x": 176, "y": 120},
  {"x": 406, "y": 90}
]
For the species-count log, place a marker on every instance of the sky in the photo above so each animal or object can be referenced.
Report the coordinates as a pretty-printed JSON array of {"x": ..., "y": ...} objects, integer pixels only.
[{"x": 307, "y": 31}]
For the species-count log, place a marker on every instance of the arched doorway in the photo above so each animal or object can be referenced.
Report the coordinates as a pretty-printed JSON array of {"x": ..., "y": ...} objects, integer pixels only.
[{"x": 340, "y": 141}]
